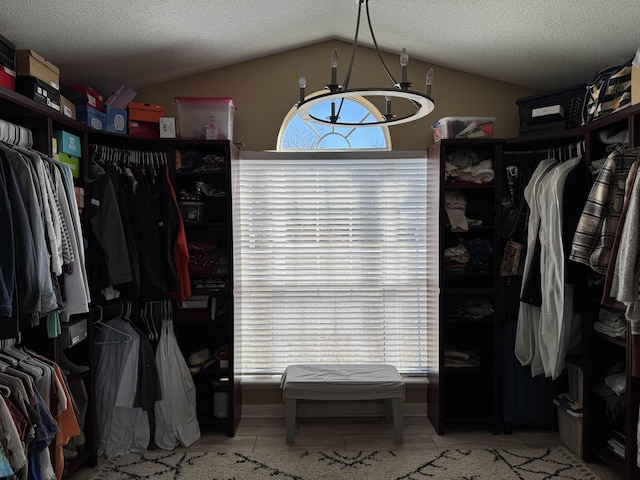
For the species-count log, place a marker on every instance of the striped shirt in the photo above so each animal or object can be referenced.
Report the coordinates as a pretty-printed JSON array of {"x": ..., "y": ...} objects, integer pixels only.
[{"x": 598, "y": 223}]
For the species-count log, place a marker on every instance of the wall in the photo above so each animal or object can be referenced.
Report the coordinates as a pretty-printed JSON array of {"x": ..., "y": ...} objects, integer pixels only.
[{"x": 267, "y": 88}]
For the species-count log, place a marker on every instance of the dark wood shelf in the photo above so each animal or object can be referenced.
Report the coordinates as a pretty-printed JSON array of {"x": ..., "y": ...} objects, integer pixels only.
[{"x": 448, "y": 393}]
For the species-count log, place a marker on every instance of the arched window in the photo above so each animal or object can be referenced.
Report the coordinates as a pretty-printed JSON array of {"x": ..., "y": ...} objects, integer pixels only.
[{"x": 297, "y": 134}]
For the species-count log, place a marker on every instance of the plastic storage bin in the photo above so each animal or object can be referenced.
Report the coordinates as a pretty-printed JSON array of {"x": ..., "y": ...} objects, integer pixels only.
[
  {"x": 463, "y": 127},
  {"x": 205, "y": 118},
  {"x": 569, "y": 426}
]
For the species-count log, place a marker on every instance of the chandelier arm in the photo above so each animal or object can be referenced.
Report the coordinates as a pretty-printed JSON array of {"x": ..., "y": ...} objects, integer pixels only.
[
  {"x": 345, "y": 84},
  {"x": 375, "y": 43}
]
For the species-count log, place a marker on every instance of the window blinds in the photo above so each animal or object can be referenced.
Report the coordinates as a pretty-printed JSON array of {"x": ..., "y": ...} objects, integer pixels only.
[{"x": 330, "y": 259}]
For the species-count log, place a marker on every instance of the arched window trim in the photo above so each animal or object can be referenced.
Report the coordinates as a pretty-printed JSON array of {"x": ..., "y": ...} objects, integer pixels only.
[{"x": 373, "y": 110}]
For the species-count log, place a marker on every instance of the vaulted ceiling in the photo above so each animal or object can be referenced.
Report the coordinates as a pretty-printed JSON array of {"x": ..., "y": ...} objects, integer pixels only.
[{"x": 542, "y": 44}]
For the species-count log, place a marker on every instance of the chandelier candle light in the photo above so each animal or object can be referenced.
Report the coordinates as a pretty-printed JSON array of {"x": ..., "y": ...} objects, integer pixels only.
[{"x": 422, "y": 103}]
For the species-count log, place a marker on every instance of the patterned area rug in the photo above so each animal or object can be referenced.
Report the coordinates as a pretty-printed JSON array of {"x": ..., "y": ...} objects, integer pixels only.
[{"x": 489, "y": 464}]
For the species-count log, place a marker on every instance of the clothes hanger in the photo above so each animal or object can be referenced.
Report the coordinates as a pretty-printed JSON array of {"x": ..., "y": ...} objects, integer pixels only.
[{"x": 101, "y": 325}]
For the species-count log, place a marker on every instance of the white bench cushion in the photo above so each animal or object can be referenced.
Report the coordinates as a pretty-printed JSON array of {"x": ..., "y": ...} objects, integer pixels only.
[{"x": 342, "y": 382}]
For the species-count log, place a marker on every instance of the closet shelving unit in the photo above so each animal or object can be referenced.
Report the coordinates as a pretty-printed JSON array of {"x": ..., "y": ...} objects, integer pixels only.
[
  {"x": 211, "y": 327},
  {"x": 467, "y": 394},
  {"x": 599, "y": 351},
  {"x": 43, "y": 122}
]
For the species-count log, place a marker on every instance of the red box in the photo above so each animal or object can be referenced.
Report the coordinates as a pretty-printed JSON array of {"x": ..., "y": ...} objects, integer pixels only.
[
  {"x": 94, "y": 98},
  {"x": 144, "y": 129},
  {"x": 145, "y": 112},
  {"x": 7, "y": 78}
]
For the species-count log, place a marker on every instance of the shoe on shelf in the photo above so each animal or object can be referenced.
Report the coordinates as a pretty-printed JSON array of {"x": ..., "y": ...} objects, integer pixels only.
[{"x": 199, "y": 359}]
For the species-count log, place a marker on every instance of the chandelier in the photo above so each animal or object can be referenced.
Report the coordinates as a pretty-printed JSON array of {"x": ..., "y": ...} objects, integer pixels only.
[{"x": 328, "y": 106}]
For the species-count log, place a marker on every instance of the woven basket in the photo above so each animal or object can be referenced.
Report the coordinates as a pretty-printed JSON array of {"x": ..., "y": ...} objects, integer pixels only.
[{"x": 570, "y": 99}]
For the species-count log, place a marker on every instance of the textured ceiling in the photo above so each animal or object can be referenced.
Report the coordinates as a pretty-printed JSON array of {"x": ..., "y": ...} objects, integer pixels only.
[{"x": 543, "y": 44}]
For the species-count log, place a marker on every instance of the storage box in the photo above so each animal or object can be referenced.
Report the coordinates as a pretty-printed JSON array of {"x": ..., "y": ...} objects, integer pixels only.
[
  {"x": 463, "y": 127},
  {"x": 116, "y": 119},
  {"x": 7, "y": 78},
  {"x": 92, "y": 117},
  {"x": 143, "y": 129},
  {"x": 94, "y": 99},
  {"x": 121, "y": 97},
  {"x": 195, "y": 301},
  {"x": 68, "y": 143},
  {"x": 30, "y": 64},
  {"x": 7, "y": 53},
  {"x": 569, "y": 426},
  {"x": 571, "y": 99},
  {"x": 67, "y": 108},
  {"x": 192, "y": 212},
  {"x": 145, "y": 112},
  {"x": 73, "y": 333},
  {"x": 38, "y": 90},
  {"x": 198, "y": 117},
  {"x": 72, "y": 161}
]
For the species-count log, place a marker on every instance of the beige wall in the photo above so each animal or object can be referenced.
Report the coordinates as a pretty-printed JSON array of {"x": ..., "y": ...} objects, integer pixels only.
[{"x": 265, "y": 90}]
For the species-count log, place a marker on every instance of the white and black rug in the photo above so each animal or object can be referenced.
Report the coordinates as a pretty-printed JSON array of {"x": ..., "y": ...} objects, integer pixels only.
[{"x": 488, "y": 464}]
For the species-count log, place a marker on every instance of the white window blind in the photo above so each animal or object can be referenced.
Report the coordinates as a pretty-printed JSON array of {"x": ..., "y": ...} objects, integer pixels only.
[{"x": 330, "y": 259}]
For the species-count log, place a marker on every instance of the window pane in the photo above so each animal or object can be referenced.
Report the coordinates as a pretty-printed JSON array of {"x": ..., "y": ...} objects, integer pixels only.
[
  {"x": 296, "y": 134},
  {"x": 330, "y": 259}
]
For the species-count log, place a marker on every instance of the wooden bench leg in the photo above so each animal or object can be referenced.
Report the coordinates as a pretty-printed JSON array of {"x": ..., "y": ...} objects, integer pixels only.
[
  {"x": 290, "y": 418},
  {"x": 398, "y": 420}
]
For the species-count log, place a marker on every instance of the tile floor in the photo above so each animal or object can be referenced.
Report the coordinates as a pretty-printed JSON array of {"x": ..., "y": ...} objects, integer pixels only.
[{"x": 255, "y": 434}]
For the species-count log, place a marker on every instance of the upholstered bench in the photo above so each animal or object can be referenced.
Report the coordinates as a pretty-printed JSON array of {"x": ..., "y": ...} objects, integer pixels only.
[{"x": 343, "y": 382}]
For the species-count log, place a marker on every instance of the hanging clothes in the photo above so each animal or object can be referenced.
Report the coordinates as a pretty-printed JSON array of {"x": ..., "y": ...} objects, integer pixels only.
[
  {"x": 121, "y": 426},
  {"x": 548, "y": 325},
  {"x": 528, "y": 328},
  {"x": 176, "y": 417},
  {"x": 594, "y": 236},
  {"x": 148, "y": 226}
]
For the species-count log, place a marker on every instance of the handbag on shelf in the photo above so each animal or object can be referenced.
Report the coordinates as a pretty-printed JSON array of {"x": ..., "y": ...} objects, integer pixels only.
[
  {"x": 608, "y": 91},
  {"x": 515, "y": 218}
]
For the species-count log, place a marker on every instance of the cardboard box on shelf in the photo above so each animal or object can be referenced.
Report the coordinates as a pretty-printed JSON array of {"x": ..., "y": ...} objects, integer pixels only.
[
  {"x": 116, "y": 119},
  {"x": 7, "y": 78},
  {"x": 92, "y": 117},
  {"x": 94, "y": 98},
  {"x": 38, "y": 90},
  {"x": 73, "y": 162},
  {"x": 68, "y": 143},
  {"x": 145, "y": 112},
  {"x": 30, "y": 64},
  {"x": 73, "y": 333},
  {"x": 143, "y": 129},
  {"x": 121, "y": 97},
  {"x": 67, "y": 108},
  {"x": 7, "y": 53}
]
